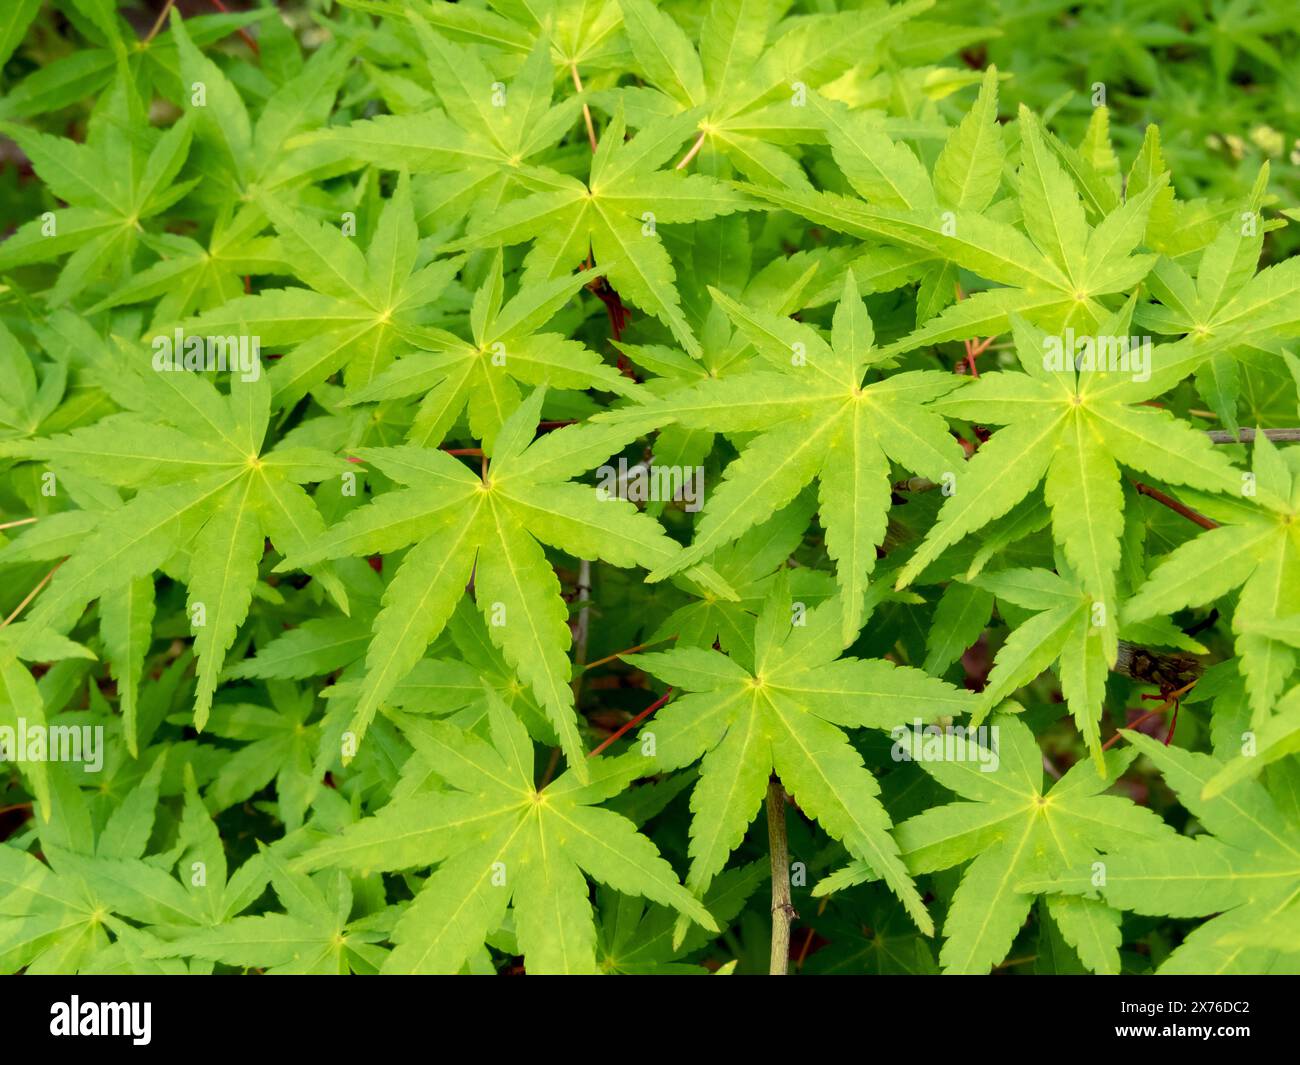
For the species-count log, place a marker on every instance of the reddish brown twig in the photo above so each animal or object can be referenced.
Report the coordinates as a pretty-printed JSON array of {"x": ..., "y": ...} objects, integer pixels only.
[
  {"x": 623, "y": 730},
  {"x": 1174, "y": 505}
]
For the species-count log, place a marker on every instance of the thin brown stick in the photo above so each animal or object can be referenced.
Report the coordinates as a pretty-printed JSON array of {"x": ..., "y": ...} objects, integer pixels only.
[
  {"x": 20, "y": 521},
  {"x": 1174, "y": 505},
  {"x": 782, "y": 908},
  {"x": 248, "y": 37},
  {"x": 586, "y": 111},
  {"x": 628, "y": 651},
  {"x": 623, "y": 730},
  {"x": 692, "y": 152},
  {"x": 158, "y": 22},
  {"x": 33, "y": 593},
  {"x": 1245, "y": 436},
  {"x": 1134, "y": 724}
]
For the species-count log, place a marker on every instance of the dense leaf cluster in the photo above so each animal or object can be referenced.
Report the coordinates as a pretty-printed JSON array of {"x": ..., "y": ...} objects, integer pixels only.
[{"x": 496, "y": 486}]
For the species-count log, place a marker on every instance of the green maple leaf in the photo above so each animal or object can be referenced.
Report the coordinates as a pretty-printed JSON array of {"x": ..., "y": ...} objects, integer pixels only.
[
  {"x": 473, "y": 153},
  {"x": 189, "y": 276},
  {"x": 124, "y": 174},
  {"x": 313, "y": 935},
  {"x": 85, "y": 71},
  {"x": 499, "y": 841},
  {"x": 1242, "y": 872},
  {"x": 205, "y": 487},
  {"x": 967, "y": 176},
  {"x": 484, "y": 374},
  {"x": 492, "y": 529},
  {"x": 277, "y": 745},
  {"x": 56, "y": 914},
  {"x": 1072, "y": 430},
  {"x": 751, "y": 566},
  {"x": 257, "y": 157},
  {"x": 816, "y": 417},
  {"x": 1257, "y": 549},
  {"x": 743, "y": 87},
  {"x": 612, "y": 219},
  {"x": 1054, "y": 274},
  {"x": 20, "y": 698},
  {"x": 1243, "y": 314},
  {"x": 360, "y": 309},
  {"x": 1009, "y": 828},
  {"x": 634, "y": 938},
  {"x": 785, "y": 711}
]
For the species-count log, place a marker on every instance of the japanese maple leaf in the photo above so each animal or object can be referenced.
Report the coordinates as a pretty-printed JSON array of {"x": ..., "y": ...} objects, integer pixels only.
[
  {"x": 785, "y": 711},
  {"x": 69, "y": 910},
  {"x": 1053, "y": 274},
  {"x": 111, "y": 184},
  {"x": 84, "y": 71},
  {"x": 207, "y": 499},
  {"x": 751, "y": 566},
  {"x": 1071, "y": 430},
  {"x": 1009, "y": 829},
  {"x": 313, "y": 936},
  {"x": 190, "y": 276},
  {"x": 361, "y": 307},
  {"x": 816, "y": 417},
  {"x": 743, "y": 86},
  {"x": 484, "y": 373},
  {"x": 886, "y": 173},
  {"x": 21, "y": 703},
  {"x": 1257, "y": 549},
  {"x": 257, "y": 157},
  {"x": 612, "y": 219},
  {"x": 499, "y": 840},
  {"x": 1243, "y": 315},
  {"x": 277, "y": 745},
  {"x": 479, "y": 148},
  {"x": 492, "y": 529},
  {"x": 1067, "y": 627},
  {"x": 635, "y": 938},
  {"x": 1242, "y": 872}
]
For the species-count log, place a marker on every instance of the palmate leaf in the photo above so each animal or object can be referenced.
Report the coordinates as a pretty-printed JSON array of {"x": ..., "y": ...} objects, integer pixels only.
[
  {"x": 1256, "y": 549},
  {"x": 1009, "y": 829},
  {"x": 469, "y": 156},
  {"x": 751, "y": 566},
  {"x": 492, "y": 529},
  {"x": 360, "y": 309},
  {"x": 740, "y": 82},
  {"x": 256, "y": 155},
  {"x": 967, "y": 175},
  {"x": 1244, "y": 869},
  {"x": 817, "y": 417},
  {"x": 1054, "y": 276},
  {"x": 22, "y": 709},
  {"x": 124, "y": 174},
  {"x": 612, "y": 220},
  {"x": 1068, "y": 627},
  {"x": 784, "y": 711},
  {"x": 68, "y": 911},
  {"x": 313, "y": 935},
  {"x": 1072, "y": 430},
  {"x": 484, "y": 374},
  {"x": 501, "y": 841},
  {"x": 216, "y": 494}
]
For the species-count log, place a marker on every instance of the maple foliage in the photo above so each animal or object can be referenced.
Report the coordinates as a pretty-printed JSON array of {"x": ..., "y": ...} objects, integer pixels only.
[{"x": 495, "y": 487}]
